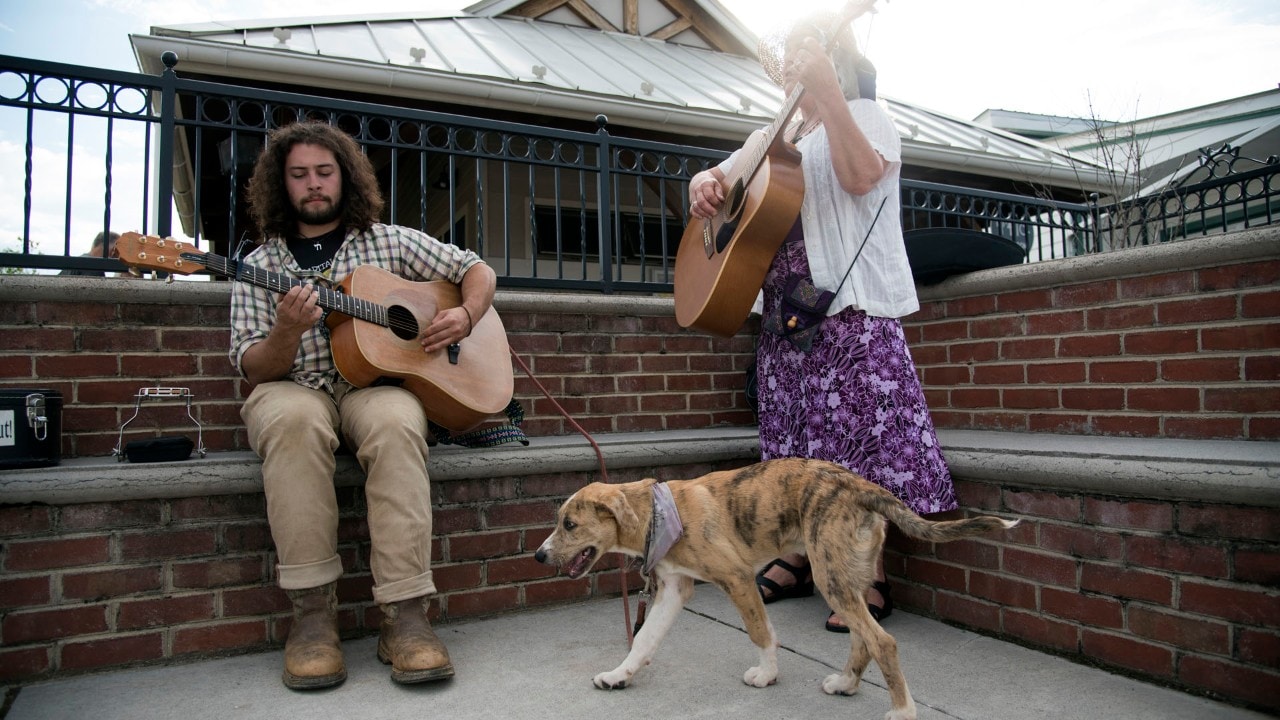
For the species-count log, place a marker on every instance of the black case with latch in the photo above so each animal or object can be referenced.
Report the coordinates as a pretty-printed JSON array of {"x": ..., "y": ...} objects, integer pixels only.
[{"x": 30, "y": 427}]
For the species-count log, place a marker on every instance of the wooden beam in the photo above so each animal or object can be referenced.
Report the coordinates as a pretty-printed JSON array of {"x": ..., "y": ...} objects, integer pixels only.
[
  {"x": 631, "y": 17},
  {"x": 689, "y": 16},
  {"x": 671, "y": 29},
  {"x": 588, "y": 13},
  {"x": 706, "y": 28},
  {"x": 536, "y": 8}
]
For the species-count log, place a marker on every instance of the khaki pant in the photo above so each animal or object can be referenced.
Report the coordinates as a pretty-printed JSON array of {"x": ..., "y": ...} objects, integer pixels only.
[{"x": 295, "y": 430}]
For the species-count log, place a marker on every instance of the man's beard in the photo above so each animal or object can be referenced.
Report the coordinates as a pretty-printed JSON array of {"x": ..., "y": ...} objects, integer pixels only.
[{"x": 318, "y": 213}]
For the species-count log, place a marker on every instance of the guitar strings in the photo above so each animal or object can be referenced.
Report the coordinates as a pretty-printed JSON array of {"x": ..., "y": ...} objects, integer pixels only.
[{"x": 343, "y": 303}]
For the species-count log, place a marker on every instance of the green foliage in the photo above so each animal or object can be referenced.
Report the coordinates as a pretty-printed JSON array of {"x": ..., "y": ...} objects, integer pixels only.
[{"x": 16, "y": 249}]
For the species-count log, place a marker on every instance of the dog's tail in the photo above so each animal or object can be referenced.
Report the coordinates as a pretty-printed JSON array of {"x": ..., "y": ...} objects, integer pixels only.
[{"x": 884, "y": 503}]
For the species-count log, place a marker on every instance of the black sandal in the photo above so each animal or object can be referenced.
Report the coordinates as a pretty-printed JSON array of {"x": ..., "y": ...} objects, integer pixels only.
[
  {"x": 877, "y": 612},
  {"x": 886, "y": 592},
  {"x": 802, "y": 587}
]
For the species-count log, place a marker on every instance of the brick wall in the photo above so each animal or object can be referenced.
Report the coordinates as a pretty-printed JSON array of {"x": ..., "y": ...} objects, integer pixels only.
[
  {"x": 1143, "y": 343},
  {"x": 626, "y": 372},
  {"x": 1164, "y": 342},
  {"x": 1156, "y": 342},
  {"x": 98, "y": 585},
  {"x": 1146, "y": 350},
  {"x": 615, "y": 365},
  {"x": 1179, "y": 593}
]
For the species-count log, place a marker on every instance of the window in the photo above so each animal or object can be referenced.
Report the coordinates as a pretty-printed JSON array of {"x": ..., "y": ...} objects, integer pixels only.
[{"x": 579, "y": 231}]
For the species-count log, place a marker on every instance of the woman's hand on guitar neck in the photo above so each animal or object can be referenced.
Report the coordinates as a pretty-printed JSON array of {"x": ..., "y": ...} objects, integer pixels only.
[
  {"x": 809, "y": 64},
  {"x": 706, "y": 193}
]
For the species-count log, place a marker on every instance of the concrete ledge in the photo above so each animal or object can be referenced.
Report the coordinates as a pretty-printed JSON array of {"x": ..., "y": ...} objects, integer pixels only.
[
  {"x": 54, "y": 288},
  {"x": 81, "y": 480},
  {"x": 1209, "y": 251},
  {"x": 1216, "y": 471},
  {"x": 1233, "y": 472}
]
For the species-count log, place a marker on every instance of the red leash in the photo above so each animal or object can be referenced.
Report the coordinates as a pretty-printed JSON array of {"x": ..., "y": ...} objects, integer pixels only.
[{"x": 604, "y": 474}]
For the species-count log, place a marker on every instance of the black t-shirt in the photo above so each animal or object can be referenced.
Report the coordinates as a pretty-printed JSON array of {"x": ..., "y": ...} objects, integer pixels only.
[{"x": 315, "y": 254}]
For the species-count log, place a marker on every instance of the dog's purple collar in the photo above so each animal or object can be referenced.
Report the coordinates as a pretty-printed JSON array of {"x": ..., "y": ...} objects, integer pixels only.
[{"x": 665, "y": 529}]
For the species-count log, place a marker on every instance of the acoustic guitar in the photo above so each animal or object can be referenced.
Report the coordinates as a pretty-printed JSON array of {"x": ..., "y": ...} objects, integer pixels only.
[
  {"x": 723, "y": 260},
  {"x": 374, "y": 323}
]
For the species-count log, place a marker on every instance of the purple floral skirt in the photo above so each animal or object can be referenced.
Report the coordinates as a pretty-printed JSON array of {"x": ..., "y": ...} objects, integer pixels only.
[{"x": 853, "y": 399}]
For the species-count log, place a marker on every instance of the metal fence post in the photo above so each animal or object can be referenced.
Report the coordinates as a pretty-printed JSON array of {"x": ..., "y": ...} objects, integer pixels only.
[
  {"x": 605, "y": 209},
  {"x": 164, "y": 158},
  {"x": 1096, "y": 217}
]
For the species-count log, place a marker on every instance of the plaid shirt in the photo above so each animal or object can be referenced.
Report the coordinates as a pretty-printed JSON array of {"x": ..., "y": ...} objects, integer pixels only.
[{"x": 409, "y": 253}]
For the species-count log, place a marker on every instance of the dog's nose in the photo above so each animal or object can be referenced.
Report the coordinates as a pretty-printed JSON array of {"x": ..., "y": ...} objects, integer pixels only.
[{"x": 541, "y": 556}]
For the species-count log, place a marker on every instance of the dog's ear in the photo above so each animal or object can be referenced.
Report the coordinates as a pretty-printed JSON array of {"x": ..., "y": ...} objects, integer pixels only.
[{"x": 615, "y": 503}]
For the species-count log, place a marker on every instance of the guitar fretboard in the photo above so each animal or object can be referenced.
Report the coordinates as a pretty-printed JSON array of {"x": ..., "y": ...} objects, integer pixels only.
[
  {"x": 771, "y": 135},
  {"x": 789, "y": 106},
  {"x": 326, "y": 298}
]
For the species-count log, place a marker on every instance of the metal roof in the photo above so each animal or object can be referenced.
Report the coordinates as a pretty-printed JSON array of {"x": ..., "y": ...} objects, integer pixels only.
[
  {"x": 518, "y": 63},
  {"x": 1036, "y": 125},
  {"x": 1170, "y": 144}
]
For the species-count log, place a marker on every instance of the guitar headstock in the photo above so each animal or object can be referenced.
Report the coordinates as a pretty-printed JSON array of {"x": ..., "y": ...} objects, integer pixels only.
[
  {"x": 149, "y": 252},
  {"x": 855, "y": 8},
  {"x": 852, "y": 11}
]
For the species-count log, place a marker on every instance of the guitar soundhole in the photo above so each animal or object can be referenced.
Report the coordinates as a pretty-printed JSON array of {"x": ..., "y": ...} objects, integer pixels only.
[
  {"x": 725, "y": 235},
  {"x": 402, "y": 322},
  {"x": 732, "y": 210},
  {"x": 733, "y": 204}
]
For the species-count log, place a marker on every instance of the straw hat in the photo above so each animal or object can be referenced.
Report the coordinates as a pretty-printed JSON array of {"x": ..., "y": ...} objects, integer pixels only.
[{"x": 850, "y": 64}]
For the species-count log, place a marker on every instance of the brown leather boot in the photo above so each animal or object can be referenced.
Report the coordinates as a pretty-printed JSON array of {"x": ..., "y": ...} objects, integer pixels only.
[
  {"x": 410, "y": 646},
  {"x": 313, "y": 654}
]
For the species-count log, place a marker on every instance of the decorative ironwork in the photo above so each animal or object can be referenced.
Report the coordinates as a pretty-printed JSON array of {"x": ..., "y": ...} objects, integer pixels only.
[
  {"x": 1222, "y": 164},
  {"x": 1224, "y": 192},
  {"x": 1045, "y": 229},
  {"x": 555, "y": 208}
]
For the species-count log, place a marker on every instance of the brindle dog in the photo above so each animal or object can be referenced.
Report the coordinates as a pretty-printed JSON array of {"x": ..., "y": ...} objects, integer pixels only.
[{"x": 735, "y": 521}]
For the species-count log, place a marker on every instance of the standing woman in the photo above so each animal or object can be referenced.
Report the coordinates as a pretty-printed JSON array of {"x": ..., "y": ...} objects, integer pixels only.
[{"x": 846, "y": 389}]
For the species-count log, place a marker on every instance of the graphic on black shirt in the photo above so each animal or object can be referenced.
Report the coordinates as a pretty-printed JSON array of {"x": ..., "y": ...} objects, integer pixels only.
[{"x": 315, "y": 254}]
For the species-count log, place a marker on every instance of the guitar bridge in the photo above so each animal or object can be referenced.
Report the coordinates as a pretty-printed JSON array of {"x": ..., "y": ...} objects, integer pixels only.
[{"x": 453, "y": 351}]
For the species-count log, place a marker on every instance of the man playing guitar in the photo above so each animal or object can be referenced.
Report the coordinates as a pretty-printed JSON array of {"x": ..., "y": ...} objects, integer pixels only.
[{"x": 315, "y": 199}]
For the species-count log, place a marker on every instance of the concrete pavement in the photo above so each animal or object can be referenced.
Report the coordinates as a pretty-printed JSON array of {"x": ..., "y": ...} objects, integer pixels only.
[{"x": 539, "y": 664}]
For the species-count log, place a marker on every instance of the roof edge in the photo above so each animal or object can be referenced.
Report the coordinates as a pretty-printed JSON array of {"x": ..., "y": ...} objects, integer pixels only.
[
  {"x": 357, "y": 76},
  {"x": 208, "y": 57},
  {"x": 223, "y": 26}
]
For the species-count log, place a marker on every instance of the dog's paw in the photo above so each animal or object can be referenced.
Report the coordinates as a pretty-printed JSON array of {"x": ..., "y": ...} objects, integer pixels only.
[
  {"x": 759, "y": 677},
  {"x": 901, "y": 714},
  {"x": 614, "y": 680},
  {"x": 840, "y": 684}
]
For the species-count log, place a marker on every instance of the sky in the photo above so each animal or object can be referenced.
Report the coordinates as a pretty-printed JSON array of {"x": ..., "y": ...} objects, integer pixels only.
[{"x": 1105, "y": 59}]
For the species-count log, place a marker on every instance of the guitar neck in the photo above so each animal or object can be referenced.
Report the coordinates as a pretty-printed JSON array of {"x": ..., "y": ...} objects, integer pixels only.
[
  {"x": 792, "y": 103},
  {"x": 789, "y": 108},
  {"x": 257, "y": 277},
  {"x": 746, "y": 170}
]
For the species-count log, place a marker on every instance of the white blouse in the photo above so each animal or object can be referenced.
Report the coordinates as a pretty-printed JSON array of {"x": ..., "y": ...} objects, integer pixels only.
[{"x": 835, "y": 222}]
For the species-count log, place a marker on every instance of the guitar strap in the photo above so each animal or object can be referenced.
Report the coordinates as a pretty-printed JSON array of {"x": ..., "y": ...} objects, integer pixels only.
[
  {"x": 802, "y": 308},
  {"x": 866, "y": 237}
]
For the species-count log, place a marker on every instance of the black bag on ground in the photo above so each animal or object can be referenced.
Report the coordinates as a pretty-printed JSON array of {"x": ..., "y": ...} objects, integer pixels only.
[{"x": 160, "y": 449}]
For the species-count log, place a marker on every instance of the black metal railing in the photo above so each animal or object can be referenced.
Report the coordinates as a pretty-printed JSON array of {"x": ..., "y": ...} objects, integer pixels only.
[
  {"x": 1044, "y": 229},
  {"x": 1224, "y": 192},
  {"x": 99, "y": 150},
  {"x": 534, "y": 201}
]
